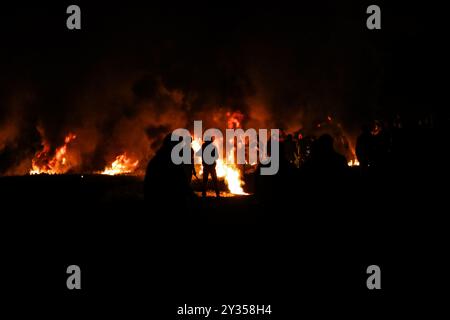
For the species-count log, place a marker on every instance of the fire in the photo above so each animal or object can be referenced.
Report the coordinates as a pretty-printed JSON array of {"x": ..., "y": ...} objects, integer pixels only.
[
  {"x": 353, "y": 162},
  {"x": 43, "y": 163},
  {"x": 225, "y": 169},
  {"x": 231, "y": 174},
  {"x": 232, "y": 177},
  {"x": 234, "y": 119},
  {"x": 196, "y": 145},
  {"x": 122, "y": 165}
]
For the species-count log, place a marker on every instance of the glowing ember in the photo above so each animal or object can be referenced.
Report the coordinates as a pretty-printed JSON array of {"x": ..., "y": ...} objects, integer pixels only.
[
  {"x": 353, "y": 163},
  {"x": 122, "y": 165},
  {"x": 43, "y": 163}
]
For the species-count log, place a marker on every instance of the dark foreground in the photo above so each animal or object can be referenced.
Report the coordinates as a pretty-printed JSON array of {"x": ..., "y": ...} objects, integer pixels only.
[{"x": 296, "y": 247}]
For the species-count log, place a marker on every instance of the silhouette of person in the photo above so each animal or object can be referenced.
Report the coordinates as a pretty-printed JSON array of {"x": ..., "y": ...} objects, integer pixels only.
[
  {"x": 324, "y": 159},
  {"x": 381, "y": 145},
  {"x": 210, "y": 168},
  {"x": 189, "y": 168},
  {"x": 165, "y": 183}
]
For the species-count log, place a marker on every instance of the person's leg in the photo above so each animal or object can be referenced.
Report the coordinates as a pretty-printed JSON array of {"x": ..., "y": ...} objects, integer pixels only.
[
  {"x": 205, "y": 182},
  {"x": 189, "y": 175},
  {"x": 214, "y": 179}
]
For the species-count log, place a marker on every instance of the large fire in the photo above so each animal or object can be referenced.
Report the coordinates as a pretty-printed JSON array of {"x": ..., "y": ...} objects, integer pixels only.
[
  {"x": 226, "y": 167},
  {"x": 226, "y": 170},
  {"x": 44, "y": 163},
  {"x": 58, "y": 161},
  {"x": 232, "y": 176},
  {"x": 121, "y": 165}
]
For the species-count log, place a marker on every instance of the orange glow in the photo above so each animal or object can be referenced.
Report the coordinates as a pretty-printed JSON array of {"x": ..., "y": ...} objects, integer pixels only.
[
  {"x": 231, "y": 173},
  {"x": 121, "y": 165},
  {"x": 353, "y": 162},
  {"x": 226, "y": 167},
  {"x": 234, "y": 119},
  {"x": 232, "y": 177},
  {"x": 42, "y": 163}
]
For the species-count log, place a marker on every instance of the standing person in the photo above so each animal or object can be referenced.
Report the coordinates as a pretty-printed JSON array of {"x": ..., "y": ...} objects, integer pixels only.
[
  {"x": 189, "y": 168},
  {"x": 210, "y": 168}
]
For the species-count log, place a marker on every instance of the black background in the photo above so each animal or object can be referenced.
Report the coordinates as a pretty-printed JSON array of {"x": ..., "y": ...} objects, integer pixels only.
[{"x": 131, "y": 268}]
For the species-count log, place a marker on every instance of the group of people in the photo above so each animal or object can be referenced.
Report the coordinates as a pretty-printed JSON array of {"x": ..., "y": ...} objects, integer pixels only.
[
  {"x": 171, "y": 183},
  {"x": 312, "y": 158}
]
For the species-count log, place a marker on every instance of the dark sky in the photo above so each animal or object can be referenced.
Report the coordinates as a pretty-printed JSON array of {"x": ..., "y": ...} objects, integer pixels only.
[{"x": 176, "y": 38}]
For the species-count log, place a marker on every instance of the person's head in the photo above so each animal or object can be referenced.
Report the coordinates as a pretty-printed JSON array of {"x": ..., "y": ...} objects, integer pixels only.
[
  {"x": 167, "y": 140},
  {"x": 325, "y": 143},
  {"x": 167, "y": 145}
]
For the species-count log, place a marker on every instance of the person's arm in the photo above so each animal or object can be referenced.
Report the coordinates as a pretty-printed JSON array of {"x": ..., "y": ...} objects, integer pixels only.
[{"x": 215, "y": 155}]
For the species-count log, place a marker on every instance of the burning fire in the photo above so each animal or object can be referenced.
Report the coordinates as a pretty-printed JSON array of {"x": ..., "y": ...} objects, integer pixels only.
[
  {"x": 226, "y": 170},
  {"x": 353, "y": 163},
  {"x": 232, "y": 177},
  {"x": 43, "y": 163},
  {"x": 122, "y": 165}
]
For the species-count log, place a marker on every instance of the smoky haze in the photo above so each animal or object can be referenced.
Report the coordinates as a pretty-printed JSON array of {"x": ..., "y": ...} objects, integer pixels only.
[{"x": 132, "y": 75}]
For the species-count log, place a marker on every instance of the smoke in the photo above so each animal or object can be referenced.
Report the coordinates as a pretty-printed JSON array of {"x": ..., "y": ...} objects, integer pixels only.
[{"x": 127, "y": 91}]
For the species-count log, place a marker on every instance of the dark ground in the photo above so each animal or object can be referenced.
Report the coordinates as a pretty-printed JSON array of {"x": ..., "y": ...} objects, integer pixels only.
[{"x": 300, "y": 250}]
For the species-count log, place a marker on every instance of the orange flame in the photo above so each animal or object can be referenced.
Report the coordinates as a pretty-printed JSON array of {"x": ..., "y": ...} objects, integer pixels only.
[
  {"x": 122, "y": 165},
  {"x": 232, "y": 177},
  {"x": 353, "y": 163},
  {"x": 226, "y": 169},
  {"x": 42, "y": 163}
]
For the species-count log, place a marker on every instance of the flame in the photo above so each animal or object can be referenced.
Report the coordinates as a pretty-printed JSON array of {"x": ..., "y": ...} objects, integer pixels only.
[
  {"x": 42, "y": 163},
  {"x": 224, "y": 169},
  {"x": 196, "y": 145},
  {"x": 234, "y": 119},
  {"x": 353, "y": 162},
  {"x": 122, "y": 165},
  {"x": 231, "y": 173},
  {"x": 232, "y": 177}
]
